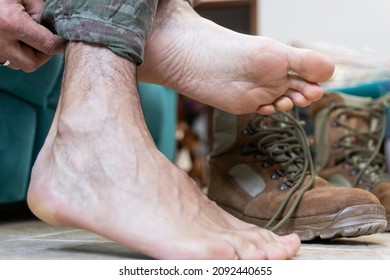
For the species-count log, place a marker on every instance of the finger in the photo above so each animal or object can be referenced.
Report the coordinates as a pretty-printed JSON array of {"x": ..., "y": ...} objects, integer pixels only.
[
  {"x": 40, "y": 38},
  {"x": 34, "y": 8},
  {"x": 26, "y": 58},
  {"x": 12, "y": 66},
  {"x": 4, "y": 62},
  {"x": 8, "y": 62},
  {"x": 311, "y": 66}
]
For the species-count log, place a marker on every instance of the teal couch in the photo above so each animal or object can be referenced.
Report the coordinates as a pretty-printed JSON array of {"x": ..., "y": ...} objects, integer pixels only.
[{"x": 27, "y": 105}]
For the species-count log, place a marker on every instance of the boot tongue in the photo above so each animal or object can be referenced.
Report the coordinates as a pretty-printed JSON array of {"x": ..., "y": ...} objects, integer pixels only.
[
  {"x": 360, "y": 126},
  {"x": 359, "y": 121},
  {"x": 282, "y": 138},
  {"x": 289, "y": 151},
  {"x": 363, "y": 135}
]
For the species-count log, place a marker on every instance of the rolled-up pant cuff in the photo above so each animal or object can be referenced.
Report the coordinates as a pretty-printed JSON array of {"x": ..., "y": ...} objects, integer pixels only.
[{"x": 122, "y": 26}]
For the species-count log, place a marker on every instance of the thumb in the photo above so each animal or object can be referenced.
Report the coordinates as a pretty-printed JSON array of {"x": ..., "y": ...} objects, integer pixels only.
[{"x": 34, "y": 8}]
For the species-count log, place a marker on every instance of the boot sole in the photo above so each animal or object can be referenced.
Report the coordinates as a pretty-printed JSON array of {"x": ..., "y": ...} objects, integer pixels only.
[{"x": 352, "y": 221}]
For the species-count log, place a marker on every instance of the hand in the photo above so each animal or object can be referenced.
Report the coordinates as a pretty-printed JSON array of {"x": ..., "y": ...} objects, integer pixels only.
[{"x": 23, "y": 41}]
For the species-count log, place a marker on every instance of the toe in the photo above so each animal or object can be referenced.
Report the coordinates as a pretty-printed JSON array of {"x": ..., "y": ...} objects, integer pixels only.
[
  {"x": 311, "y": 66},
  {"x": 297, "y": 98},
  {"x": 283, "y": 103},
  {"x": 266, "y": 109}
]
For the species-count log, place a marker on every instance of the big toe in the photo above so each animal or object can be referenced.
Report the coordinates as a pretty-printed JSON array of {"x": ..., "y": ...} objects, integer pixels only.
[{"x": 310, "y": 65}]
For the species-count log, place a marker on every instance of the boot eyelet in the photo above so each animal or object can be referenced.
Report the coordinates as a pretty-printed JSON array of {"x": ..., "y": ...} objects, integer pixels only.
[
  {"x": 354, "y": 172},
  {"x": 266, "y": 164},
  {"x": 245, "y": 151},
  {"x": 361, "y": 181},
  {"x": 275, "y": 176},
  {"x": 336, "y": 145},
  {"x": 281, "y": 172},
  {"x": 334, "y": 124},
  {"x": 369, "y": 187},
  {"x": 247, "y": 132},
  {"x": 283, "y": 187}
]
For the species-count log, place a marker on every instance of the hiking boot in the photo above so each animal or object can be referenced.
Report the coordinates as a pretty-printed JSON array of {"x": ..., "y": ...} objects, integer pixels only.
[
  {"x": 261, "y": 171},
  {"x": 349, "y": 131}
]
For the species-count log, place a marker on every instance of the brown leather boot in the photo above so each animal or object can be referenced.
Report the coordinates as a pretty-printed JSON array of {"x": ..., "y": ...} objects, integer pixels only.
[
  {"x": 261, "y": 171},
  {"x": 349, "y": 132}
]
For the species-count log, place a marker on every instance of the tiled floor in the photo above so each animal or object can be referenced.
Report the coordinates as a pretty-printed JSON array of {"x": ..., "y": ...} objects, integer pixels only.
[{"x": 24, "y": 237}]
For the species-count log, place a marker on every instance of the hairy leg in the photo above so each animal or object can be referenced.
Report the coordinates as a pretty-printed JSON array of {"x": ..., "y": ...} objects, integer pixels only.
[
  {"x": 99, "y": 170},
  {"x": 235, "y": 72}
]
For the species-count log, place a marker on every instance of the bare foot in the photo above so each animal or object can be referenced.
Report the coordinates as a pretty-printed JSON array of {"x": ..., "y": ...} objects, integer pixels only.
[
  {"x": 99, "y": 170},
  {"x": 234, "y": 72}
]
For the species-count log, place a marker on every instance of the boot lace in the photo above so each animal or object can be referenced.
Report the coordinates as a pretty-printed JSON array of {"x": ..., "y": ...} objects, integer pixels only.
[
  {"x": 281, "y": 139},
  {"x": 362, "y": 148}
]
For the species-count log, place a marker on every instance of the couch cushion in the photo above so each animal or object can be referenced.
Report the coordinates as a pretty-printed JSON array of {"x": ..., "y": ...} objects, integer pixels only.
[
  {"x": 33, "y": 87},
  {"x": 17, "y": 134}
]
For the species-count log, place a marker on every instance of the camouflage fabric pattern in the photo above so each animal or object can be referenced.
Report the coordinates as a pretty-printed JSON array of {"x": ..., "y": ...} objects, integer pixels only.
[{"x": 121, "y": 25}]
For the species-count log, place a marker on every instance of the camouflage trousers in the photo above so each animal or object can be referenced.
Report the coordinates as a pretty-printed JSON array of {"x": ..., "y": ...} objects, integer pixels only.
[{"x": 121, "y": 25}]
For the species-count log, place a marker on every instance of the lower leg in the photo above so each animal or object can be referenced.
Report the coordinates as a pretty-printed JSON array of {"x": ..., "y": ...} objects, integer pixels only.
[{"x": 99, "y": 170}]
